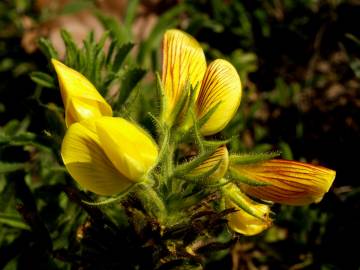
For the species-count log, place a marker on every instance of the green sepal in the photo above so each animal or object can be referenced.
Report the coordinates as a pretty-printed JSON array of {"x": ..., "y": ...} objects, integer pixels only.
[
  {"x": 181, "y": 106},
  {"x": 207, "y": 116},
  {"x": 161, "y": 94},
  {"x": 252, "y": 157},
  {"x": 164, "y": 143},
  {"x": 187, "y": 167},
  {"x": 215, "y": 144},
  {"x": 234, "y": 176},
  {"x": 113, "y": 199},
  {"x": 239, "y": 201},
  {"x": 202, "y": 177},
  {"x": 151, "y": 201}
]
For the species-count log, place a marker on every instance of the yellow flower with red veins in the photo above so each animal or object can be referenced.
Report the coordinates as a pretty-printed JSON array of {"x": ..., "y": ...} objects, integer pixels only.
[
  {"x": 217, "y": 86},
  {"x": 285, "y": 181}
]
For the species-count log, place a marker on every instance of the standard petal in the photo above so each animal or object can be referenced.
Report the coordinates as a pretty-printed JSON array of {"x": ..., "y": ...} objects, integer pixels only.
[
  {"x": 221, "y": 85},
  {"x": 130, "y": 148},
  {"x": 81, "y": 99},
  {"x": 88, "y": 164},
  {"x": 183, "y": 61},
  {"x": 290, "y": 182}
]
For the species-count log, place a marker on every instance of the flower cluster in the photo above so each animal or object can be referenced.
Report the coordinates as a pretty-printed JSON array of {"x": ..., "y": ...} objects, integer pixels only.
[{"x": 108, "y": 155}]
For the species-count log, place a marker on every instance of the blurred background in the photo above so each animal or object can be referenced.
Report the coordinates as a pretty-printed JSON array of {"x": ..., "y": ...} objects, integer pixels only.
[{"x": 299, "y": 62}]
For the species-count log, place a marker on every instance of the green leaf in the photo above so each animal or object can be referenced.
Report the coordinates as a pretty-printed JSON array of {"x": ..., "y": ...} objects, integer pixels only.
[
  {"x": 131, "y": 13},
  {"x": 13, "y": 221},
  {"x": 120, "y": 56},
  {"x": 43, "y": 79},
  {"x": 47, "y": 48},
  {"x": 6, "y": 167},
  {"x": 118, "y": 33},
  {"x": 130, "y": 80},
  {"x": 72, "y": 51}
]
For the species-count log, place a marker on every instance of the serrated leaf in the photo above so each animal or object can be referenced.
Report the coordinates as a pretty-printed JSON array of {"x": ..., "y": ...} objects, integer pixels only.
[{"x": 43, "y": 79}]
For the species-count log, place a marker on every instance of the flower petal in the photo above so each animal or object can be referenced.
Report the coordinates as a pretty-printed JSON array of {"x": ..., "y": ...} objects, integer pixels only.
[
  {"x": 88, "y": 164},
  {"x": 290, "y": 182},
  {"x": 221, "y": 85},
  {"x": 130, "y": 148},
  {"x": 183, "y": 62},
  {"x": 80, "y": 97}
]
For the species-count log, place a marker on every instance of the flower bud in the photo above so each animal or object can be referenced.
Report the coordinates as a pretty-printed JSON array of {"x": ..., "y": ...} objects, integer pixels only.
[
  {"x": 250, "y": 217},
  {"x": 183, "y": 62},
  {"x": 288, "y": 182}
]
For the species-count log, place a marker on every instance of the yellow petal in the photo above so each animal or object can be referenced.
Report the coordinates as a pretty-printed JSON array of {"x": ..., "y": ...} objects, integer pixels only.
[
  {"x": 220, "y": 155},
  {"x": 130, "y": 148},
  {"x": 80, "y": 97},
  {"x": 88, "y": 164},
  {"x": 290, "y": 182},
  {"x": 242, "y": 221},
  {"x": 183, "y": 61},
  {"x": 221, "y": 84}
]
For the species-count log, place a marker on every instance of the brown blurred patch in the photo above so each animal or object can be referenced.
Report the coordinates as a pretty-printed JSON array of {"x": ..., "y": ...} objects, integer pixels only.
[{"x": 79, "y": 24}]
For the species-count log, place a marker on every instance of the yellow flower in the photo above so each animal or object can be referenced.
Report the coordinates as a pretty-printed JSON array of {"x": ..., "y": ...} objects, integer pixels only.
[
  {"x": 219, "y": 84},
  {"x": 80, "y": 97},
  {"x": 219, "y": 158},
  {"x": 290, "y": 182},
  {"x": 106, "y": 155},
  {"x": 242, "y": 221}
]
